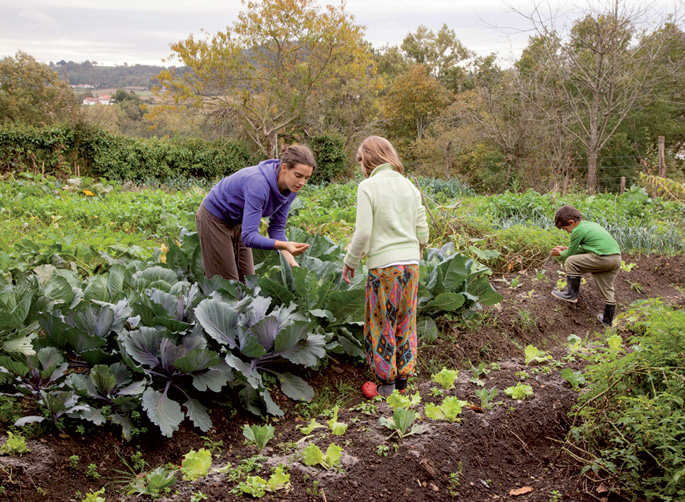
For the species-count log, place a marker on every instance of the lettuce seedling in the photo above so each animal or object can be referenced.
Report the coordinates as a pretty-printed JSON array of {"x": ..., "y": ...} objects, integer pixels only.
[
  {"x": 312, "y": 456},
  {"x": 519, "y": 392},
  {"x": 449, "y": 410},
  {"x": 535, "y": 355},
  {"x": 397, "y": 400},
  {"x": 336, "y": 427},
  {"x": 15, "y": 445},
  {"x": 196, "y": 464},
  {"x": 259, "y": 435},
  {"x": 257, "y": 487},
  {"x": 310, "y": 428},
  {"x": 446, "y": 378},
  {"x": 402, "y": 419},
  {"x": 575, "y": 378}
]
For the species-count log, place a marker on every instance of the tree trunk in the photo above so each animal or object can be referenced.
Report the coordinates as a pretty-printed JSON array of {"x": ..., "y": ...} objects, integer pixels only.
[
  {"x": 448, "y": 152},
  {"x": 591, "y": 171}
]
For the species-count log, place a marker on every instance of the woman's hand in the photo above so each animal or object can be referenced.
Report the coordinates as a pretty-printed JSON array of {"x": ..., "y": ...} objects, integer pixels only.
[
  {"x": 289, "y": 258},
  {"x": 294, "y": 248},
  {"x": 347, "y": 271}
]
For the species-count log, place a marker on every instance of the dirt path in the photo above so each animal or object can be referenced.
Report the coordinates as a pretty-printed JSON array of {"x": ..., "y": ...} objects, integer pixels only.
[{"x": 514, "y": 446}]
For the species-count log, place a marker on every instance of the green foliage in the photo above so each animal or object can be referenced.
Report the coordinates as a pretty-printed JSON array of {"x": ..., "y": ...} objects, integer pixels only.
[
  {"x": 257, "y": 487},
  {"x": 331, "y": 157},
  {"x": 402, "y": 420},
  {"x": 312, "y": 456},
  {"x": 259, "y": 435},
  {"x": 519, "y": 392},
  {"x": 59, "y": 149},
  {"x": 449, "y": 410},
  {"x": 15, "y": 445},
  {"x": 631, "y": 416},
  {"x": 196, "y": 464},
  {"x": 487, "y": 398},
  {"x": 95, "y": 496},
  {"x": 575, "y": 378},
  {"x": 154, "y": 484},
  {"x": 336, "y": 427},
  {"x": 446, "y": 378},
  {"x": 535, "y": 355},
  {"x": 403, "y": 401}
]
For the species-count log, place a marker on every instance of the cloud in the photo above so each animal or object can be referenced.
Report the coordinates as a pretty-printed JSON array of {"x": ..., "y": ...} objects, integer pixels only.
[{"x": 35, "y": 16}]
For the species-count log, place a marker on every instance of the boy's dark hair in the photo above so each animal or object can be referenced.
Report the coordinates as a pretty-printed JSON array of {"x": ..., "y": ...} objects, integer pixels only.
[{"x": 565, "y": 214}]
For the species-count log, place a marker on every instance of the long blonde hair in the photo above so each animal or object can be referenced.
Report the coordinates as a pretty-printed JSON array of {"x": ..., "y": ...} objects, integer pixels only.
[{"x": 375, "y": 151}]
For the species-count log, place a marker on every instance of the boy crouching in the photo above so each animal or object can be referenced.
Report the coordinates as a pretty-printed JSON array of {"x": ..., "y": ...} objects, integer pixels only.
[{"x": 591, "y": 250}]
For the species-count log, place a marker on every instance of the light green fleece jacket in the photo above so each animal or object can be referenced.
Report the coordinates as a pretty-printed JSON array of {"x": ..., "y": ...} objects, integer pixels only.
[{"x": 391, "y": 221}]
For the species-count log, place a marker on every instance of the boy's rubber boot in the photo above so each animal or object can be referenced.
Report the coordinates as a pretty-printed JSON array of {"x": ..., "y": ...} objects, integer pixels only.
[
  {"x": 570, "y": 294},
  {"x": 608, "y": 317}
]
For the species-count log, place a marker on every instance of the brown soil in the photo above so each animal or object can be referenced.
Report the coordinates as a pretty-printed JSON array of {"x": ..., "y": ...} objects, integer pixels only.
[{"x": 485, "y": 456}]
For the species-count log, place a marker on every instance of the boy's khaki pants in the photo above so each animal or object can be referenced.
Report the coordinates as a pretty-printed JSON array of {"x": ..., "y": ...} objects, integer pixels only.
[{"x": 604, "y": 270}]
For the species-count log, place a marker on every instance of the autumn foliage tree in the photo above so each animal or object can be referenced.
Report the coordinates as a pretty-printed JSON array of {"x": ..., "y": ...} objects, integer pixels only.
[
  {"x": 32, "y": 93},
  {"x": 413, "y": 100},
  {"x": 264, "y": 70}
]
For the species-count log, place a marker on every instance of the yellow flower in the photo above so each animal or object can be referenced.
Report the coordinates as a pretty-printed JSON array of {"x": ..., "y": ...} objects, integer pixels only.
[{"x": 88, "y": 193}]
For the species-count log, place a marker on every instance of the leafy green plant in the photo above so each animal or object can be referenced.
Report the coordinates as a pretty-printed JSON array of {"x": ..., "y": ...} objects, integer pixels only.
[
  {"x": 630, "y": 414},
  {"x": 575, "y": 378},
  {"x": 477, "y": 372},
  {"x": 535, "y": 355},
  {"x": 365, "y": 408},
  {"x": 519, "y": 392},
  {"x": 155, "y": 483},
  {"x": 95, "y": 496},
  {"x": 196, "y": 464},
  {"x": 403, "y": 401},
  {"x": 627, "y": 267},
  {"x": 446, "y": 378},
  {"x": 198, "y": 497},
  {"x": 259, "y": 435},
  {"x": 487, "y": 397},
  {"x": 257, "y": 487},
  {"x": 382, "y": 450},
  {"x": 336, "y": 427},
  {"x": 402, "y": 420},
  {"x": 15, "y": 445},
  {"x": 92, "y": 472},
  {"x": 313, "y": 424},
  {"x": 73, "y": 461},
  {"x": 312, "y": 456},
  {"x": 449, "y": 410}
]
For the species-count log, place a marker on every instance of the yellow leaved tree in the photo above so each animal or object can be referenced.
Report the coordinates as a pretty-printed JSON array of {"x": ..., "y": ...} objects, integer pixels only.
[{"x": 263, "y": 72}]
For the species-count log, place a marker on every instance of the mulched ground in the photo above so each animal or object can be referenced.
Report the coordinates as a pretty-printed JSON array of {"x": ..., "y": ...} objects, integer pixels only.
[{"x": 487, "y": 455}]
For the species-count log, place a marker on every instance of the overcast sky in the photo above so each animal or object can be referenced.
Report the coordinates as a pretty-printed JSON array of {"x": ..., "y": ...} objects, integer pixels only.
[{"x": 140, "y": 31}]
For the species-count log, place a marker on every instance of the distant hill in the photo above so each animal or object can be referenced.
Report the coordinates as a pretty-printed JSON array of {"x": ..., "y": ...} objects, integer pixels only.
[{"x": 107, "y": 77}]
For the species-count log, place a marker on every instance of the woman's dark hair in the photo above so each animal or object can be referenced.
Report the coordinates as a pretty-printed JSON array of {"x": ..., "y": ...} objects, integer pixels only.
[
  {"x": 565, "y": 214},
  {"x": 291, "y": 155}
]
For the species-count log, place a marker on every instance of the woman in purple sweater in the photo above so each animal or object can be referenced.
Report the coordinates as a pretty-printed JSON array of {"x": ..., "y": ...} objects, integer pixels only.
[{"x": 229, "y": 217}]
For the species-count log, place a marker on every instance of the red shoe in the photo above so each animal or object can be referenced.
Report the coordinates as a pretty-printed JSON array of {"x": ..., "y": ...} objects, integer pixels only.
[{"x": 370, "y": 390}]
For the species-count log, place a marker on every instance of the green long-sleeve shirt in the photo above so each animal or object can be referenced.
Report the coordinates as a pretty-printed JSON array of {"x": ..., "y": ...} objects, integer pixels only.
[{"x": 590, "y": 237}]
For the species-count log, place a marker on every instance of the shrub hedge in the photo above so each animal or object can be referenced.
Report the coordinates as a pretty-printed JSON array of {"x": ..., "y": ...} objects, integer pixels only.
[{"x": 66, "y": 150}]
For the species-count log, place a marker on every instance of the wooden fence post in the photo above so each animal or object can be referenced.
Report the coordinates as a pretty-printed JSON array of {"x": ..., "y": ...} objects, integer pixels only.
[
  {"x": 623, "y": 184},
  {"x": 662, "y": 157},
  {"x": 448, "y": 151}
]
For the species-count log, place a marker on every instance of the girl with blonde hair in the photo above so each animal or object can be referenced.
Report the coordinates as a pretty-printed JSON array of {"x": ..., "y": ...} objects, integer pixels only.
[{"x": 391, "y": 229}]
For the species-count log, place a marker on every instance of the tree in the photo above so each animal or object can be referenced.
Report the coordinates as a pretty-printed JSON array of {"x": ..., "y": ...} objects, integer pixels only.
[
  {"x": 265, "y": 70},
  {"x": 440, "y": 52},
  {"x": 32, "y": 93},
  {"x": 413, "y": 100},
  {"x": 601, "y": 73}
]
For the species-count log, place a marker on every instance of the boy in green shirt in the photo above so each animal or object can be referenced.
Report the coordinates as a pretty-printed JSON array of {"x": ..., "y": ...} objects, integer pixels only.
[{"x": 591, "y": 250}]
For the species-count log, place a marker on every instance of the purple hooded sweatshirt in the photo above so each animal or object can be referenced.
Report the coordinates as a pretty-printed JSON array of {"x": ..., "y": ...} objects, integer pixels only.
[{"x": 248, "y": 195}]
